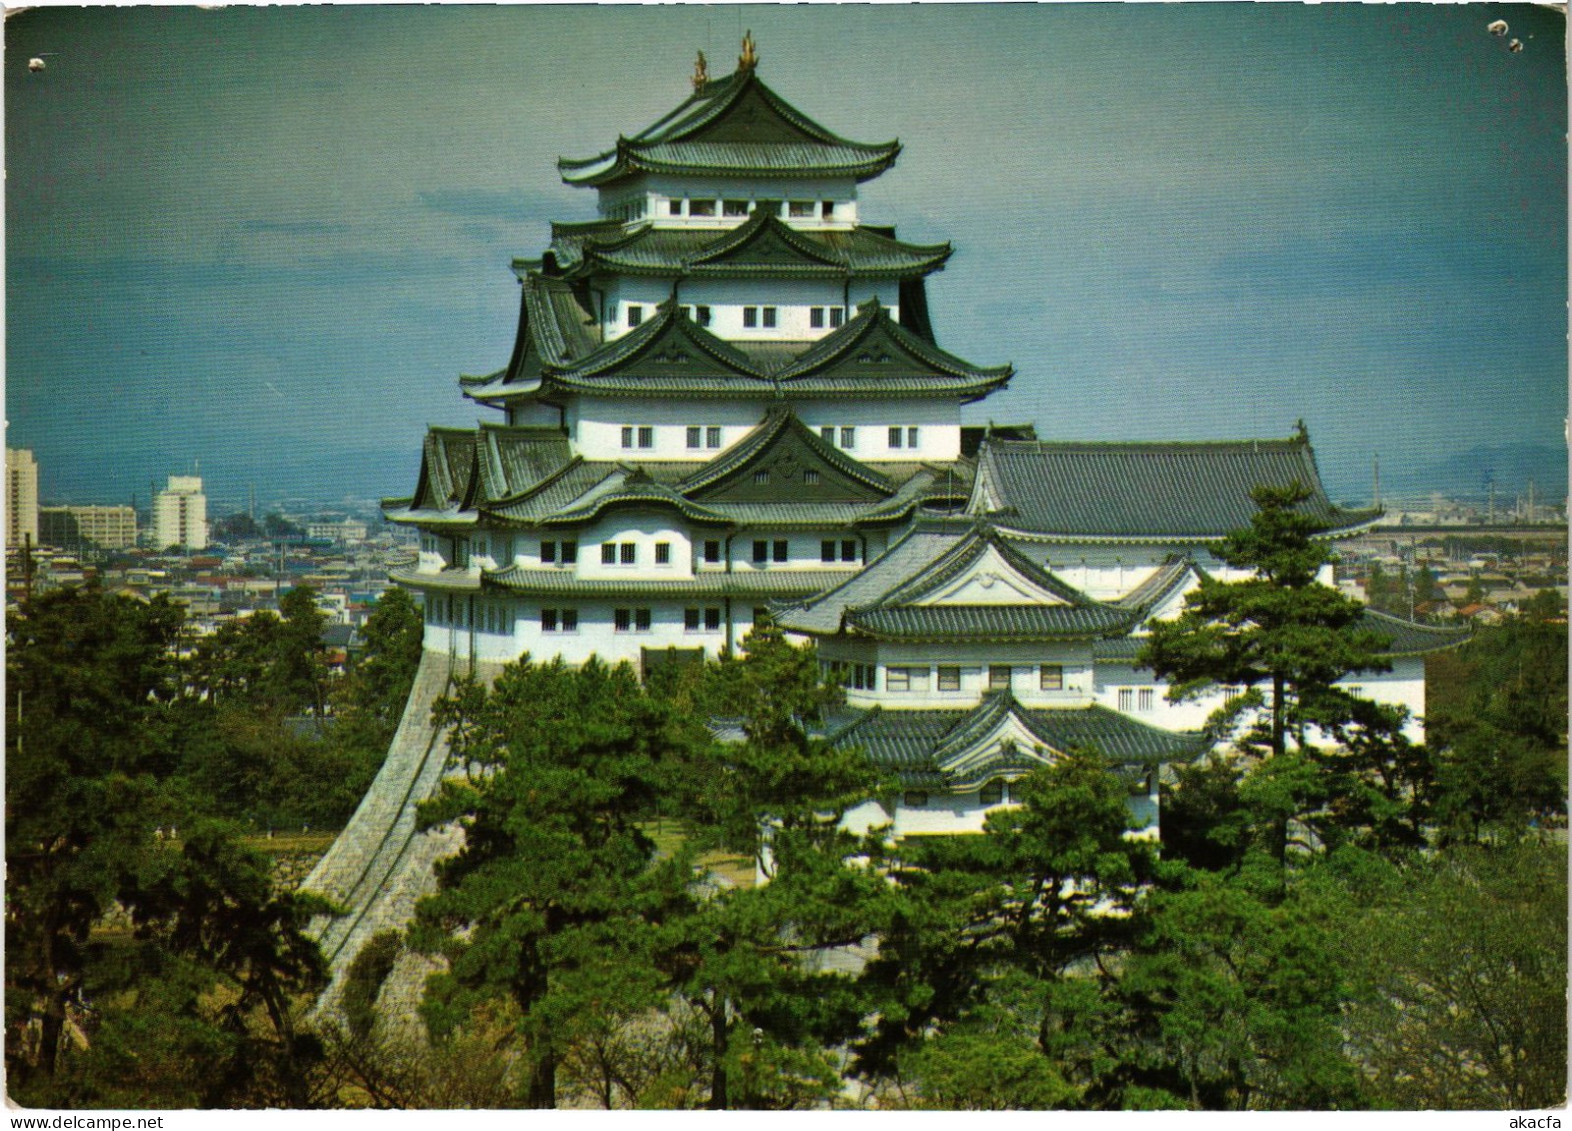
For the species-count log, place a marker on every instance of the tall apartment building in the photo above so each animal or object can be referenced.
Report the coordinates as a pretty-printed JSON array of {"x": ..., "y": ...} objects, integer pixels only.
[
  {"x": 21, "y": 496},
  {"x": 75, "y": 528},
  {"x": 180, "y": 514}
]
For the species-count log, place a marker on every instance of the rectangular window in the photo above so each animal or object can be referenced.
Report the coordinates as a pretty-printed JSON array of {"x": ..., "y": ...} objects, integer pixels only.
[
  {"x": 712, "y": 436},
  {"x": 734, "y": 208},
  {"x": 629, "y": 553},
  {"x": 1144, "y": 699},
  {"x": 781, "y": 547},
  {"x": 992, "y": 793},
  {"x": 810, "y": 477},
  {"x": 848, "y": 550},
  {"x": 690, "y": 620},
  {"x": 627, "y": 436},
  {"x": 827, "y": 434},
  {"x": 837, "y": 316},
  {"x": 897, "y": 437},
  {"x": 548, "y": 553},
  {"x": 827, "y": 208},
  {"x": 999, "y": 677},
  {"x": 848, "y": 438},
  {"x": 761, "y": 552},
  {"x": 701, "y": 315},
  {"x": 911, "y": 437},
  {"x": 647, "y": 437},
  {"x": 621, "y": 619},
  {"x": 760, "y": 478},
  {"x": 827, "y": 551},
  {"x": 608, "y": 553},
  {"x": 1050, "y": 677},
  {"x": 701, "y": 208},
  {"x": 800, "y": 208},
  {"x": 695, "y": 437},
  {"x": 712, "y": 620},
  {"x": 712, "y": 551},
  {"x": 548, "y": 620},
  {"x": 1126, "y": 699},
  {"x": 674, "y": 208},
  {"x": 635, "y": 314},
  {"x": 641, "y": 620},
  {"x": 750, "y": 317},
  {"x": 663, "y": 553},
  {"x": 816, "y": 317},
  {"x": 570, "y": 620},
  {"x": 570, "y": 553},
  {"x": 949, "y": 679},
  {"x": 897, "y": 679},
  {"x": 769, "y": 318}
]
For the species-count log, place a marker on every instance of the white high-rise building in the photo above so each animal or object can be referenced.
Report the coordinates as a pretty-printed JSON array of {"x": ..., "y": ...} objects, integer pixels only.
[
  {"x": 180, "y": 514},
  {"x": 21, "y": 496}
]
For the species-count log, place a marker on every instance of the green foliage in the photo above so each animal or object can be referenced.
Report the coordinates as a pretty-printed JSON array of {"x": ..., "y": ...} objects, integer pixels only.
[
  {"x": 1460, "y": 970},
  {"x": 1278, "y": 627},
  {"x": 363, "y": 981}
]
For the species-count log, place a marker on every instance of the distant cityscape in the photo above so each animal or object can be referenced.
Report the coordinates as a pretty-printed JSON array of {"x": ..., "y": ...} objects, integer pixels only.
[{"x": 1433, "y": 556}]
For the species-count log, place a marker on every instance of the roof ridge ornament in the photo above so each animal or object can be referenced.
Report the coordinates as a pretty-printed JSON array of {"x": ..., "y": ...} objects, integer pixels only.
[
  {"x": 749, "y": 59},
  {"x": 701, "y": 74}
]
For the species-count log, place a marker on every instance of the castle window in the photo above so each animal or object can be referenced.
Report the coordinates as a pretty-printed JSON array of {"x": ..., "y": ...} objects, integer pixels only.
[
  {"x": 999, "y": 677},
  {"x": 897, "y": 437},
  {"x": 707, "y": 620},
  {"x": 816, "y": 317},
  {"x": 827, "y": 208},
  {"x": 627, "y": 436},
  {"x": 897, "y": 679},
  {"x": 1145, "y": 699},
  {"x": 827, "y": 550},
  {"x": 559, "y": 620},
  {"x": 674, "y": 208},
  {"x": 781, "y": 549},
  {"x": 810, "y": 477},
  {"x": 911, "y": 437},
  {"x": 761, "y": 477},
  {"x": 630, "y": 620},
  {"x": 548, "y": 620},
  {"x": 570, "y": 553},
  {"x": 848, "y": 550},
  {"x": 848, "y": 438},
  {"x": 635, "y": 314},
  {"x": 663, "y": 553},
  {"x": 608, "y": 553},
  {"x": 647, "y": 437},
  {"x": 690, "y": 620},
  {"x": 800, "y": 208},
  {"x": 629, "y": 553},
  {"x": 827, "y": 433},
  {"x": 712, "y": 551},
  {"x": 734, "y": 208},
  {"x": 712, "y": 436},
  {"x": 750, "y": 317},
  {"x": 701, "y": 208},
  {"x": 1127, "y": 699},
  {"x": 837, "y": 316},
  {"x": 769, "y": 317},
  {"x": 695, "y": 437},
  {"x": 548, "y": 553},
  {"x": 761, "y": 552},
  {"x": 949, "y": 679},
  {"x": 992, "y": 793},
  {"x": 1051, "y": 677}
]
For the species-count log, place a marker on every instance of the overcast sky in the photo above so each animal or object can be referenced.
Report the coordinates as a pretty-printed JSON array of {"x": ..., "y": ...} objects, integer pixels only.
[{"x": 262, "y": 237}]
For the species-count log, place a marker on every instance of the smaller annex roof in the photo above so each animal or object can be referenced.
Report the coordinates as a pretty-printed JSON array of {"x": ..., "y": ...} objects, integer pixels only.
[
  {"x": 953, "y": 581},
  {"x": 733, "y": 126},
  {"x": 961, "y": 749},
  {"x": 764, "y": 245},
  {"x": 1403, "y": 638},
  {"x": 1145, "y": 492}
]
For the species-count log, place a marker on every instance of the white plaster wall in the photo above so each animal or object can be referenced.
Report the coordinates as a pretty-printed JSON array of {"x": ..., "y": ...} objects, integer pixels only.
[
  {"x": 938, "y": 422},
  {"x": 644, "y": 530},
  {"x": 596, "y": 426},
  {"x": 842, "y": 190},
  {"x": 974, "y": 661},
  {"x": 963, "y": 813}
]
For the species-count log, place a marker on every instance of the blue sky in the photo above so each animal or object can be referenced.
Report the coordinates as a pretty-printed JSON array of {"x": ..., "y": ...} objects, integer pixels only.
[{"x": 271, "y": 239}]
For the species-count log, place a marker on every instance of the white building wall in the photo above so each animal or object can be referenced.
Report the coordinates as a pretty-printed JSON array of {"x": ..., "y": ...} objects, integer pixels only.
[
  {"x": 948, "y": 814},
  {"x": 21, "y": 502},
  {"x": 974, "y": 661},
  {"x": 726, "y": 299},
  {"x": 644, "y": 531}
]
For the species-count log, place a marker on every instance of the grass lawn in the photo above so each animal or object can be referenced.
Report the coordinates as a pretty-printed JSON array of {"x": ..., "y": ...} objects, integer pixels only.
[{"x": 670, "y": 835}]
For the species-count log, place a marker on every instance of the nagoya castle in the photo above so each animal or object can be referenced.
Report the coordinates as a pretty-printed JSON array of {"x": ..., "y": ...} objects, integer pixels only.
[{"x": 726, "y": 402}]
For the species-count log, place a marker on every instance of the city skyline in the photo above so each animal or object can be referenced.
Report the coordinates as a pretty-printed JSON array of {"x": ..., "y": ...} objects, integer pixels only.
[{"x": 269, "y": 240}]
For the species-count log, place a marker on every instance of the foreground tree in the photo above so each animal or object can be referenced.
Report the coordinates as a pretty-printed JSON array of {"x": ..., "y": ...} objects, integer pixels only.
[{"x": 1279, "y": 627}]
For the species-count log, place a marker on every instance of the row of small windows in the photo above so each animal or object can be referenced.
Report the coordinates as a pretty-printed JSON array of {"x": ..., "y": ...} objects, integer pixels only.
[
  {"x": 810, "y": 477},
  {"x": 711, "y": 436},
  {"x": 863, "y": 677},
  {"x": 753, "y": 317},
  {"x": 483, "y": 616},
  {"x": 996, "y": 792},
  {"x": 706, "y": 619},
  {"x": 627, "y": 553},
  {"x": 1137, "y": 698},
  {"x": 736, "y": 208}
]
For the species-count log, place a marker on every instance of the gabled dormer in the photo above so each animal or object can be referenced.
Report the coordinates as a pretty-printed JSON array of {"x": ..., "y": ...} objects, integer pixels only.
[{"x": 784, "y": 461}]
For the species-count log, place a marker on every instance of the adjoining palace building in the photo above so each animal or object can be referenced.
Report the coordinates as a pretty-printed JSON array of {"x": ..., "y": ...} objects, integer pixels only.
[{"x": 726, "y": 401}]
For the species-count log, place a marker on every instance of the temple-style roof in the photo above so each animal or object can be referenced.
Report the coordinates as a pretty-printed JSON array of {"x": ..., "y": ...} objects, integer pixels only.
[
  {"x": 962, "y": 749},
  {"x": 781, "y": 476},
  {"x": 733, "y": 126},
  {"x": 1404, "y": 638},
  {"x": 1146, "y": 492},
  {"x": 764, "y": 245},
  {"x": 948, "y": 581}
]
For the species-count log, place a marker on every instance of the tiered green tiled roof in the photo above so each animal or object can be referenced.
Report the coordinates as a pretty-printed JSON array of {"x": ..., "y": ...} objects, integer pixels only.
[
  {"x": 733, "y": 126},
  {"x": 1147, "y": 492},
  {"x": 762, "y": 246},
  {"x": 921, "y": 747},
  {"x": 1403, "y": 638}
]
